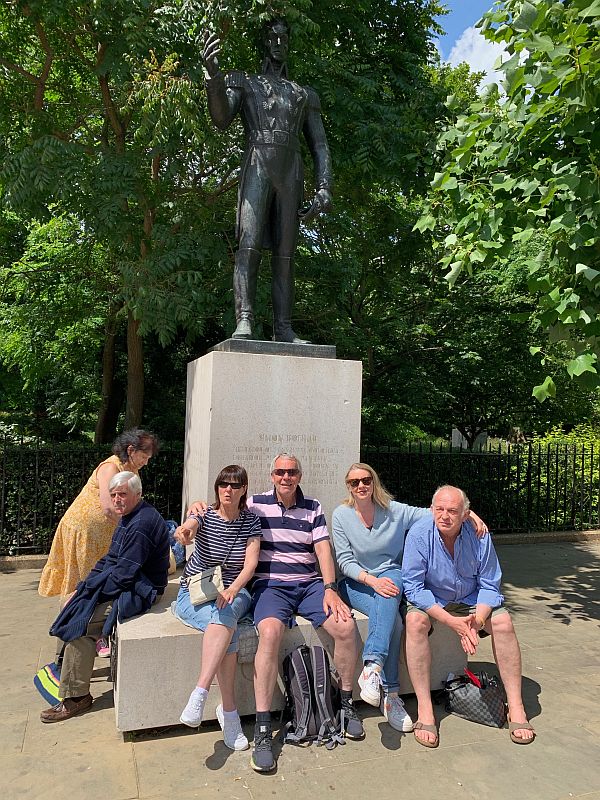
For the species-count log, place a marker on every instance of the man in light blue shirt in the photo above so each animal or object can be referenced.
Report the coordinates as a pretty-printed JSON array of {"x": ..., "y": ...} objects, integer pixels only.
[{"x": 453, "y": 578}]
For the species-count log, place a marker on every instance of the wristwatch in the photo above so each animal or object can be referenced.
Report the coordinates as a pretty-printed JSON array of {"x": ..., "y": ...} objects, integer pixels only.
[{"x": 333, "y": 585}]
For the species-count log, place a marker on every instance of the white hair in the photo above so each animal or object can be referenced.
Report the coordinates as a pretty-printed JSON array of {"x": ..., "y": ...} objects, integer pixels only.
[
  {"x": 465, "y": 500},
  {"x": 132, "y": 480},
  {"x": 290, "y": 457}
]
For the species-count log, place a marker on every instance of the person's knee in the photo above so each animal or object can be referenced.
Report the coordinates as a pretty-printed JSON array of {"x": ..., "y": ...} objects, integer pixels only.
[
  {"x": 502, "y": 624},
  {"x": 270, "y": 634},
  {"x": 343, "y": 630},
  {"x": 395, "y": 575},
  {"x": 417, "y": 625}
]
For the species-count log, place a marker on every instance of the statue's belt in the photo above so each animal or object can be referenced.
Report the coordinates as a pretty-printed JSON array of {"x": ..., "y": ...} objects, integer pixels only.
[{"x": 274, "y": 137}]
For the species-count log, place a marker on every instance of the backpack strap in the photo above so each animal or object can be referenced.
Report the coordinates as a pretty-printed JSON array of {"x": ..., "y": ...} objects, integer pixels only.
[
  {"x": 298, "y": 672},
  {"x": 330, "y": 731}
]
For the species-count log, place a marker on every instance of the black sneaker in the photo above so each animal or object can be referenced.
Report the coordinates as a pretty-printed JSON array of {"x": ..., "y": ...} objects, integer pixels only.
[
  {"x": 262, "y": 759},
  {"x": 353, "y": 727}
]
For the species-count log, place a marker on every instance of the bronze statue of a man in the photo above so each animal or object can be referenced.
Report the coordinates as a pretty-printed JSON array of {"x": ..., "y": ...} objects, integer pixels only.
[{"x": 274, "y": 112}]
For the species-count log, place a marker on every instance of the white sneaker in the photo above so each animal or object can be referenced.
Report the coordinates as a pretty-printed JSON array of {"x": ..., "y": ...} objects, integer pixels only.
[
  {"x": 369, "y": 681},
  {"x": 192, "y": 713},
  {"x": 397, "y": 716},
  {"x": 233, "y": 735}
]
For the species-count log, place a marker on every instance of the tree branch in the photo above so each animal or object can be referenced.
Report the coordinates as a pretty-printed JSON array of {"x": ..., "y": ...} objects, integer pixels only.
[{"x": 109, "y": 107}]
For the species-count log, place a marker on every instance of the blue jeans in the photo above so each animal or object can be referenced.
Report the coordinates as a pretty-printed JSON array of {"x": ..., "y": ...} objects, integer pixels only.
[
  {"x": 385, "y": 624},
  {"x": 200, "y": 617}
]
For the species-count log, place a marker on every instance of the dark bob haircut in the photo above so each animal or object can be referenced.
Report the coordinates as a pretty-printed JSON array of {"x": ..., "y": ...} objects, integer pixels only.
[
  {"x": 236, "y": 474},
  {"x": 138, "y": 439}
]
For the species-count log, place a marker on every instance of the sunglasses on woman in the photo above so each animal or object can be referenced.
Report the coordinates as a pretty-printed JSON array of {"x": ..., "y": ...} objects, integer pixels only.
[
  {"x": 233, "y": 484},
  {"x": 355, "y": 482}
]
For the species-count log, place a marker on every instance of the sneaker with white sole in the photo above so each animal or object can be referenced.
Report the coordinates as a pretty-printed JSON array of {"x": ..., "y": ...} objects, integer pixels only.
[
  {"x": 369, "y": 681},
  {"x": 192, "y": 713},
  {"x": 397, "y": 716},
  {"x": 262, "y": 758},
  {"x": 233, "y": 735}
]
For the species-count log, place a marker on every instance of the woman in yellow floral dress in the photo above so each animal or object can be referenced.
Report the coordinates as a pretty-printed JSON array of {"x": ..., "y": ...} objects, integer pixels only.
[{"x": 85, "y": 532}]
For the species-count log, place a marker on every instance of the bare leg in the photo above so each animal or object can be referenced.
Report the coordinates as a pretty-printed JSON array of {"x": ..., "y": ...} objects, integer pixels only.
[
  {"x": 345, "y": 648},
  {"x": 507, "y": 655},
  {"x": 266, "y": 661},
  {"x": 214, "y": 646},
  {"x": 226, "y": 678},
  {"x": 418, "y": 661}
]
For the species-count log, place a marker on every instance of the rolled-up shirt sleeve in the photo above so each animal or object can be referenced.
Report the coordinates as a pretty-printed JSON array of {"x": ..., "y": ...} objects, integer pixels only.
[
  {"x": 490, "y": 575},
  {"x": 414, "y": 568}
]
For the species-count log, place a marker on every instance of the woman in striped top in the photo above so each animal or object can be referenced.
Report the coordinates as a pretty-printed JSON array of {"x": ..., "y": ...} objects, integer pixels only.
[{"x": 227, "y": 534}]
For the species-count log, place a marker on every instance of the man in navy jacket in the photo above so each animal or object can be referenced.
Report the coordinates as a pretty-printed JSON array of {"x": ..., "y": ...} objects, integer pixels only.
[{"x": 124, "y": 583}]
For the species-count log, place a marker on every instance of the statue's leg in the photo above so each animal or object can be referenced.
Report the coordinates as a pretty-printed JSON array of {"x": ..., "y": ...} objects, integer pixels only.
[
  {"x": 245, "y": 274},
  {"x": 287, "y": 203},
  {"x": 253, "y": 203},
  {"x": 282, "y": 296}
]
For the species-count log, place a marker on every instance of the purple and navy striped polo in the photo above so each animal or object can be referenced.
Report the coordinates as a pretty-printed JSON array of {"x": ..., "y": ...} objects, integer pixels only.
[{"x": 287, "y": 551}]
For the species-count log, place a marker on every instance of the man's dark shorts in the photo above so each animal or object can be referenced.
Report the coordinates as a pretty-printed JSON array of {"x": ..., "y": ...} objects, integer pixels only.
[
  {"x": 283, "y": 599},
  {"x": 456, "y": 609}
]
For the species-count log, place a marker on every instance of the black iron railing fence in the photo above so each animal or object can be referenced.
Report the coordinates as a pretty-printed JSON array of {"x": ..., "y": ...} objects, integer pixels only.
[
  {"x": 39, "y": 482},
  {"x": 516, "y": 488}
]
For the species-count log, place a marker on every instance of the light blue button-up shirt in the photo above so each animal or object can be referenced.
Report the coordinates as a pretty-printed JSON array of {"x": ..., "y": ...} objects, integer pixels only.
[{"x": 431, "y": 575}]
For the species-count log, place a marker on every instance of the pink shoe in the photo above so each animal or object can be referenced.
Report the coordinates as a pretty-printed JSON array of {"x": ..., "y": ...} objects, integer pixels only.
[{"x": 102, "y": 648}]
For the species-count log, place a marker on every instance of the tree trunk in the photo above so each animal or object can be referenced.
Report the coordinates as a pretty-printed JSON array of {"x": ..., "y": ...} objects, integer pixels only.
[
  {"x": 135, "y": 374},
  {"x": 112, "y": 396}
]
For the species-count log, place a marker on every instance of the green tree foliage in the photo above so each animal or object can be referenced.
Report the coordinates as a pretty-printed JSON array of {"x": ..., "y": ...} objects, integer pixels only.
[
  {"x": 103, "y": 123},
  {"x": 51, "y": 323},
  {"x": 100, "y": 124},
  {"x": 527, "y": 161}
]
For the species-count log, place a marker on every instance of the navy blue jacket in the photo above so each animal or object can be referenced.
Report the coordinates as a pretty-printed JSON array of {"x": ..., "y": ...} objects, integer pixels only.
[{"x": 132, "y": 574}]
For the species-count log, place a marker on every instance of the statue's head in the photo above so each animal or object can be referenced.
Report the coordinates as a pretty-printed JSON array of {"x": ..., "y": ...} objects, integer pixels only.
[{"x": 276, "y": 37}]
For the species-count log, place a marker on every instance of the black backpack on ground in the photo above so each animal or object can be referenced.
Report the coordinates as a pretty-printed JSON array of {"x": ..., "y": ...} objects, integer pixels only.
[{"x": 312, "y": 698}]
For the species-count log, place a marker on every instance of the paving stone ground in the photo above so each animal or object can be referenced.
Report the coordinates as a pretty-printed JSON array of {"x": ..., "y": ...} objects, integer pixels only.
[{"x": 554, "y": 592}]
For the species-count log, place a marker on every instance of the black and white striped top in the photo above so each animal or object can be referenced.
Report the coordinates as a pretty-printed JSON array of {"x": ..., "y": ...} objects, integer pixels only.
[{"x": 213, "y": 540}]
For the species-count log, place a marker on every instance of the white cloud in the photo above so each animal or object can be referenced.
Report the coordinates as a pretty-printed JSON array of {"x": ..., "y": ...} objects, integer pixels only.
[{"x": 478, "y": 52}]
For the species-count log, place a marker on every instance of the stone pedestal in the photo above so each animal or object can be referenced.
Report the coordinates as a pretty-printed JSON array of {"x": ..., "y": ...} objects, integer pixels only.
[
  {"x": 157, "y": 660},
  {"x": 245, "y": 407}
]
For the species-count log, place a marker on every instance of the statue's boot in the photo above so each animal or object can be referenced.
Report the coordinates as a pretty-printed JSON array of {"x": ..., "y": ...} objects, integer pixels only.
[
  {"x": 245, "y": 274},
  {"x": 282, "y": 296}
]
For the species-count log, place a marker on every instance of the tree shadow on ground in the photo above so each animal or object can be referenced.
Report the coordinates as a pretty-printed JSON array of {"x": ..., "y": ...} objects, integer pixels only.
[{"x": 560, "y": 579}]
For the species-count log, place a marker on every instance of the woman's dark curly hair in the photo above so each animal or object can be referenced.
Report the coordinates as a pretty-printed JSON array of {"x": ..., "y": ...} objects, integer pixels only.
[{"x": 138, "y": 439}]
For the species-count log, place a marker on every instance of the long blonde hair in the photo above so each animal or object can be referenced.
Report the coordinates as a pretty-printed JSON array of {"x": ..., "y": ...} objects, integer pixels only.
[{"x": 381, "y": 496}]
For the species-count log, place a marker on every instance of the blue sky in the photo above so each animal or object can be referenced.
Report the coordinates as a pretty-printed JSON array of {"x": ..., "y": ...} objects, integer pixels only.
[{"x": 462, "y": 41}]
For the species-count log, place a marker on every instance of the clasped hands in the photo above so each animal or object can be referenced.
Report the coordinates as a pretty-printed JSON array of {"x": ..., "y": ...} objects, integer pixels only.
[{"x": 467, "y": 629}]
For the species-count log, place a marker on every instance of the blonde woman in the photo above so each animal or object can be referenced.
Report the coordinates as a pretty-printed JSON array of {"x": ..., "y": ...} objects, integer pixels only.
[{"x": 368, "y": 532}]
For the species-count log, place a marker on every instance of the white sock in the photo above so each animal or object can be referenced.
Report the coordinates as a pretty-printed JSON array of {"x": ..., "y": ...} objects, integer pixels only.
[
  {"x": 230, "y": 714},
  {"x": 200, "y": 693}
]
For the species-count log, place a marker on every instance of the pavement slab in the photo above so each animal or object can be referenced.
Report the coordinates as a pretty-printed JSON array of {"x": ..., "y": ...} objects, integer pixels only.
[{"x": 553, "y": 592}]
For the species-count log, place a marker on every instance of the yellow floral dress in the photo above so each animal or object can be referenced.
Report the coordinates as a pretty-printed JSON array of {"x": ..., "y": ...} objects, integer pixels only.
[{"x": 83, "y": 536}]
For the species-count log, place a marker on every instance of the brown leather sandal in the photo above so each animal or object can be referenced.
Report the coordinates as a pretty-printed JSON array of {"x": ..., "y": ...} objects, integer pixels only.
[
  {"x": 520, "y": 726},
  {"x": 421, "y": 726}
]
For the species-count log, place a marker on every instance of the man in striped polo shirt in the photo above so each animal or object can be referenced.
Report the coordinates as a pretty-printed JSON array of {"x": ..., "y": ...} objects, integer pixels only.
[{"x": 286, "y": 582}]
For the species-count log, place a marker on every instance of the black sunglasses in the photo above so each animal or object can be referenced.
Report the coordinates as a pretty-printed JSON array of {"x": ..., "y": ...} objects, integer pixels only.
[
  {"x": 281, "y": 472},
  {"x": 233, "y": 484},
  {"x": 356, "y": 481}
]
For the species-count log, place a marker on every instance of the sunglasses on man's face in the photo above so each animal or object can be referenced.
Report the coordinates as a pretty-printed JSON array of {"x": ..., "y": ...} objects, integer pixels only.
[
  {"x": 354, "y": 483},
  {"x": 233, "y": 484},
  {"x": 291, "y": 472}
]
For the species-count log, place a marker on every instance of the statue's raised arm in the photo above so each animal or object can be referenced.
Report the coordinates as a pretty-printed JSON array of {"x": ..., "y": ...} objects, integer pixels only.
[{"x": 275, "y": 112}]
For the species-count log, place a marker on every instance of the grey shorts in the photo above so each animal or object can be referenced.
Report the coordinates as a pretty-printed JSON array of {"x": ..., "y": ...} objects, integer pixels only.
[{"x": 456, "y": 609}]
